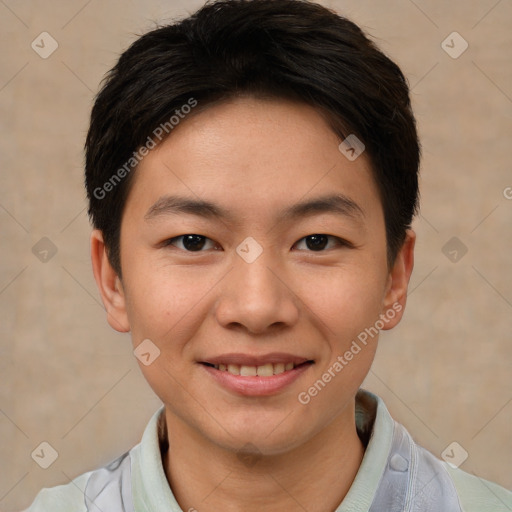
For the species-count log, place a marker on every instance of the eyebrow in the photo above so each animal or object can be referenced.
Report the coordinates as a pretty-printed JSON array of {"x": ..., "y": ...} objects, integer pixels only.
[{"x": 338, "y": 204}]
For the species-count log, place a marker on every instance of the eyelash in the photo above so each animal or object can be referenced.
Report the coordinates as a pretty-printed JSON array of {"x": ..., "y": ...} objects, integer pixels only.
[{"x": 340, "y": 241}]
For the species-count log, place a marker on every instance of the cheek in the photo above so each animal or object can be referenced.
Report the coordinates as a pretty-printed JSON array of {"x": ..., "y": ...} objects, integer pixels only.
[
  {"x": 165, "y": 300},
  {"x": 346, "y": 300}
]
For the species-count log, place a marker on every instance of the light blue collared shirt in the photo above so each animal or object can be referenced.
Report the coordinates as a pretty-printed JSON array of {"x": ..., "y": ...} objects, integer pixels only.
[{"x": 396, "y": 475}]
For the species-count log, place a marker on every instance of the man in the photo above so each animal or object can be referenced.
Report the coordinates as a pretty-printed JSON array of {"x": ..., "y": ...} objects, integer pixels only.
[{"x": 252, "y": 175}]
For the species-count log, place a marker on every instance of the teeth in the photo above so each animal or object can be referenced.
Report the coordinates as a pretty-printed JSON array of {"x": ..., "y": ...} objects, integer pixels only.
[
  {"x": 233, "y": 369},
  {"x": 265, "y": 370},
  {"x": 278, "y": 368},
  {"x": 248, "y": 371}
]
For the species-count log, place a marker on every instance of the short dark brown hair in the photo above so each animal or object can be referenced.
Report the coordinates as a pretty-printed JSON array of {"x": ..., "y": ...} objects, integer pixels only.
[{"x": 288, "y": 49}]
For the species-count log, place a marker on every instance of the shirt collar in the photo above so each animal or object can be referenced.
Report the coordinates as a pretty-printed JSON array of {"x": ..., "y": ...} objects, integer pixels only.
[
  {"x": 371, "y": 416},
  {"x": 151, "y": 490}
]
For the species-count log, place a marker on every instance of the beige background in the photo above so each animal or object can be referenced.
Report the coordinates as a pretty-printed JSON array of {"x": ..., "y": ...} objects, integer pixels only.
[{"x": 68, "y": 379}]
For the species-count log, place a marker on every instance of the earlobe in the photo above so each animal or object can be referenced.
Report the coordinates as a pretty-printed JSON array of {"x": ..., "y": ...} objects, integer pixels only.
[
  {"x": 109, "y": 284},
  {"x": 398, "y": 281}
]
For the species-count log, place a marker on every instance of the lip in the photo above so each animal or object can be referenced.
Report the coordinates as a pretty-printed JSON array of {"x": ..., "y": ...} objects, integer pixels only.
[{"x": 256, "y": 386}]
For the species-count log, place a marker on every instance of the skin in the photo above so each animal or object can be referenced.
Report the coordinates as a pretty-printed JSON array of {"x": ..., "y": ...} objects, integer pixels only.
[{"x": 254, "y": 158}]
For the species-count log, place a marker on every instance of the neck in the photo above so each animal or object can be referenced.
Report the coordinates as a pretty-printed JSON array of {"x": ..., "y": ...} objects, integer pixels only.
[{"x": 315, "y": 476}]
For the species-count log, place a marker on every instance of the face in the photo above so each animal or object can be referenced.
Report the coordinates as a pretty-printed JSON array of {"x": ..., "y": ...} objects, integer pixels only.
[{"x": 253, "y": 256}]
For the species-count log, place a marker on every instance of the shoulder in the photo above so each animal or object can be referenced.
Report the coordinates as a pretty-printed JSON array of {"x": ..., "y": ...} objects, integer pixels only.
[
  {"x": 62, "y": 498},
  {"x": 473, "y": 494},
  {"x": 479, "y": 495},
  {"x": 415, "y": 479},
  {"x": 107, "y": 488}
]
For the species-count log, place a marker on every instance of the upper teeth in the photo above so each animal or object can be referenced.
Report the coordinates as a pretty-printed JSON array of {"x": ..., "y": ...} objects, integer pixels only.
[{"x": 265, "y": 370}]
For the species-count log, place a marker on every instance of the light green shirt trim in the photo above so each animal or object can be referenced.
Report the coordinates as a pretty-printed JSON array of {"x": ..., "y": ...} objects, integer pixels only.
[
  {"x": 479, "y": 495},
  {"x": 362, "y": 492},
  {"x": 151, "y": 490},
  {"x": 62, "y": 498}
]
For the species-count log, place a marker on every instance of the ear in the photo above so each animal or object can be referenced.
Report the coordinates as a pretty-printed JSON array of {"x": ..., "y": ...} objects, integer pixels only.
[
  {"x": 109, "y": 284},
  {"x": 398, "y": 282}
]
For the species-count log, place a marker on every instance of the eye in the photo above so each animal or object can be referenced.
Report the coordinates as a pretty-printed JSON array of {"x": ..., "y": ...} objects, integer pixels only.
[
  {"x": 197, "y": 243},
  {"x": 190, "y": 242},
  {"x": 318, "y": 242}
]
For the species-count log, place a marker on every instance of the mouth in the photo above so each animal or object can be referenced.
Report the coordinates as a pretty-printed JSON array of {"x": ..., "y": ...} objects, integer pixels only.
[
  {"x": 263, "y": 370},
  {"x": 256, "y": 376}
]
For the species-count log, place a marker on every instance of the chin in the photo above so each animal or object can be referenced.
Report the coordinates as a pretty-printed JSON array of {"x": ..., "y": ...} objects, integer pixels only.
[{"x": 264, "y": 438}]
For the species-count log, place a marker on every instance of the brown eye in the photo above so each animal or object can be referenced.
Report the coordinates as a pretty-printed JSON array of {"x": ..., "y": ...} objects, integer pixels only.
[
  {"x": 318, "y": 242},
  {"x": 190, "y": 242}
]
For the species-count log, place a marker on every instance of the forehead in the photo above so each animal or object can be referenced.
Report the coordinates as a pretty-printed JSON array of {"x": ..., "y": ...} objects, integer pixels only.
[{"x": 253, "y": 155}]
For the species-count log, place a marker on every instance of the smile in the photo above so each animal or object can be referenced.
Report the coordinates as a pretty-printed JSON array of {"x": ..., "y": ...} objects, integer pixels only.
[
  {"x": 265, "y": 370},
  {"x": 256, "y": 376}
]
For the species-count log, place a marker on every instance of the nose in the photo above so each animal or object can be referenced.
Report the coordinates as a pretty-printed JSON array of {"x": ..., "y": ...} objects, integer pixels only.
[{"x": 256, "y": 297}]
